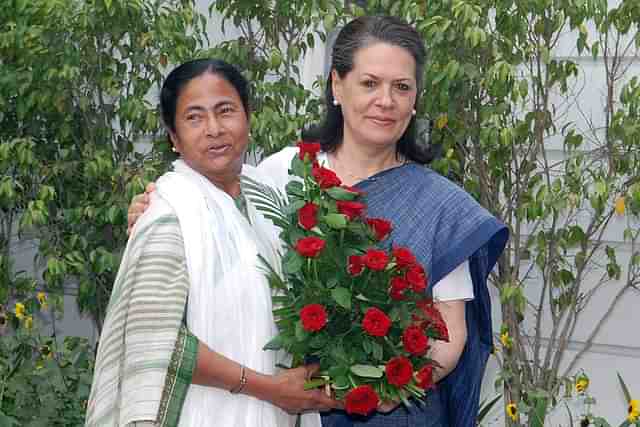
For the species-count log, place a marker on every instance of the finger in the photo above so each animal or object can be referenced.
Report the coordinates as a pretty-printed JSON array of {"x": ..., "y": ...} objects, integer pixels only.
[
  {"x": 312, "y": 369},
  {"x": 150, "y": 188}
]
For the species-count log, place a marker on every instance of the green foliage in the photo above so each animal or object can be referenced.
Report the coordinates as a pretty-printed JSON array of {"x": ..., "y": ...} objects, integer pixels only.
[
  {"x": 275, "y": 36},
  {"x": 43, "y": 382},
  {"x": 76, "y": 95}
]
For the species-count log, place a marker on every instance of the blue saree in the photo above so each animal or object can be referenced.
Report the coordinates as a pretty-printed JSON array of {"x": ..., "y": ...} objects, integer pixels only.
[{"x": 443, "y": 226}]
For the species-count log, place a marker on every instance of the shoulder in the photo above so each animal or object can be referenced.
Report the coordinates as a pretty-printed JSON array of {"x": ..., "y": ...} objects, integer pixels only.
[
  {"x": 440, "y": 190},
  {"x": 276, "y": 166},
  {"x": 160, "y": 220}
]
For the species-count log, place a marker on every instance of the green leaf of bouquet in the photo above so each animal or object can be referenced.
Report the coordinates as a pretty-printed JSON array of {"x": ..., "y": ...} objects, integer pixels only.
[
  {"x": 337, "y": 352},
  {"x": 339, "y": 193},
  {"x": 318, "y": 341},
  {"x": 295, "y": 206},
  {"x": 367, "y": 371},
  {"x": 366, "y": 346},
  {"x": 341, "y": 382},
  {"x": 293, "y": 262},
  {"x": 335, "y": 221},
  {"x": 295, "y": 187},
  {"x": 276, "y": 343},
  {"x": 377, "y": 350},
  {"x": 301, "y": 334},
  {"x": 297, "y": 166},
  {"x": 342, "y": 296},
  {"x": 332, "y": 282}
]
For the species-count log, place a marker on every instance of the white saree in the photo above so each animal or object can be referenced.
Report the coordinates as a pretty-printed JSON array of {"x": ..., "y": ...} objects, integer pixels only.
[
  {"x": 228, "y": 307},
  {"x": 229, "y": 302}
]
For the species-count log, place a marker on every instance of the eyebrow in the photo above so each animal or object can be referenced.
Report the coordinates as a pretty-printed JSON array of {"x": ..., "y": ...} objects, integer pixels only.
[
  {"x": 411, "y": 79},
  {"x": 199, "y": 107}
]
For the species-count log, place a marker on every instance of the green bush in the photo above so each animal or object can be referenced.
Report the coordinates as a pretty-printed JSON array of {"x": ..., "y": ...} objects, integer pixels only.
[{"x": 43, "y": 382}]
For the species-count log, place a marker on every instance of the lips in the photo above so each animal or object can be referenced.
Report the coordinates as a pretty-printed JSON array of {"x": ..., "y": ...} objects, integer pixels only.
[
  {"x": 219, "y": 148},
  {"x": 382, "y": 121}
]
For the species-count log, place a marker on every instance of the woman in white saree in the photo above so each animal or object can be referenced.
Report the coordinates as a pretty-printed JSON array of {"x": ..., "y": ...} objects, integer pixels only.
[{"x": 190, "y": 310}]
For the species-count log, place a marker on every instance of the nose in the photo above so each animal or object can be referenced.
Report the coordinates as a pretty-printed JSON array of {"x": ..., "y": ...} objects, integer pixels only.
[
  {"x": 385, "y": 97},
  {"x": 214, "y": 127}
]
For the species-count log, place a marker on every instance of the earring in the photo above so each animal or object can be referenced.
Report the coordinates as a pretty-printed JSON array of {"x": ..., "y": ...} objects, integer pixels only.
[
  {"x": 413, "y": 112},
  {"x": 335, "y": 102},
  {"x": 174, "y": 149}
]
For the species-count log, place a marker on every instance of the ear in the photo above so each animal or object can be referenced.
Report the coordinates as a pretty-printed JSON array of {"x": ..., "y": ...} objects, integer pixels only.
[
  {"x": 336, "y": 82},
  {"x": 174, "y": 140}
]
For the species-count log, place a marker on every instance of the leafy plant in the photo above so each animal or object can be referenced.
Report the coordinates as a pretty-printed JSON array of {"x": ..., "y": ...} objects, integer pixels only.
[
  {"x": 76, "y": 96},
  {"x": 43, "y": 382}
]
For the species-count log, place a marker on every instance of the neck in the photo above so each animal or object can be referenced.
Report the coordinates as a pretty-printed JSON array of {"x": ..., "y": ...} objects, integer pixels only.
[{"x": 354, "y": 163}]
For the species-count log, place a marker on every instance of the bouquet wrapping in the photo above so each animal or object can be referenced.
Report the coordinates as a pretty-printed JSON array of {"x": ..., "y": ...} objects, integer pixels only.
[{"x": 347, "y": 297}]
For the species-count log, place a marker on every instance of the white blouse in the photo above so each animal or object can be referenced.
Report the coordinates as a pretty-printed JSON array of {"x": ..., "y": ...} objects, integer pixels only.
[{"x": 456, "y": 285}]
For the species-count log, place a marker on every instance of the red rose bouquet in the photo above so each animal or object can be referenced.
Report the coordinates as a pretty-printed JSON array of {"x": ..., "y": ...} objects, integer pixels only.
[{"x": 359, "y": 310}]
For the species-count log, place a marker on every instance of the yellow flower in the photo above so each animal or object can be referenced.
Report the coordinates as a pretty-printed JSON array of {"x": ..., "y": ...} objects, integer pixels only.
[
  {"x": 19, "y": 310},
  {"x": 505, "y": 339},
  {"x": 442, "y": 121},
  {"x": 512, "y": 411},
  {"x": 42, "y": 299},
  {"x": 582, "y": 383},
  {"x": 620, "y": 205},
  {"x": 28, "y": 322},
  {"x": 634, "y": 410}
]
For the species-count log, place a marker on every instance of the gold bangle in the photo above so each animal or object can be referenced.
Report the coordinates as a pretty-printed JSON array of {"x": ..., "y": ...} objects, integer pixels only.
[{"x": 243, "y": 381}]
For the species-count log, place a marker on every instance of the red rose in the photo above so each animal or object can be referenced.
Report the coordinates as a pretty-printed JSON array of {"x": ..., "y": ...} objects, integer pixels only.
[
  {"x": 417, "y": 278},
  {"x": 308, "y": 150},
  {"x": 326, "y": 178},
  {"x": 425, "y": 377},
  {"x": 350, "y": 209},
  {"x": 376, "y": 259},
  {"x": 431, "y": 317},
  {"x": 361, "y": 400},
  {"x": 415, "y": 341},
  {"x": 355, "y": 265},
  {"x": 404, "y": 257},
  {"x": 313, "y": 317},
  {"x": 376, "y": 323},
  {"x": 310, "y": 247},
  {"x": 381, "y": 227},
  {"x": 443, "y": 331},
  {"x": 399, "y": 371},
  {"x": 308, "y": 216},
  {"x": 397, "y": 288}
]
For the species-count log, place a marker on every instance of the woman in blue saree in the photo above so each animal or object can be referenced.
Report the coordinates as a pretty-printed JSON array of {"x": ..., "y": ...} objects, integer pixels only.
[{"x": 368, "y": 139}]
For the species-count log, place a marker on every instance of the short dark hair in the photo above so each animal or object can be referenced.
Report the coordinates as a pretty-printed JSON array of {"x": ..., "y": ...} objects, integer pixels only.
[
  {"x": 183, "y": 74},
  {"x": 356, "y": 35}
]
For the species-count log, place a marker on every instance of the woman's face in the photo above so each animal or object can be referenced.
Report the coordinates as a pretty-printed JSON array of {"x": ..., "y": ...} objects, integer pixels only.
[
  {"x": 378, "y": 95},
  {"x": 212, "y": 128}
]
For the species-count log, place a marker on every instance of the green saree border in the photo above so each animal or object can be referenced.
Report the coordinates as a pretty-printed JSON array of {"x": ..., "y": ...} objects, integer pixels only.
[{"x": 178, "y": 380}]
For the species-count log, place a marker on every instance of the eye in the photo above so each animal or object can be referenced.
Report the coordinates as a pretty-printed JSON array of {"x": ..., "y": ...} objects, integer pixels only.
[
  {"x": 226, "y": 109},
  {"x": 369, "y": 83},
  {"x": 193, "y": 117},
  {"x": 404, "y": 87}
]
